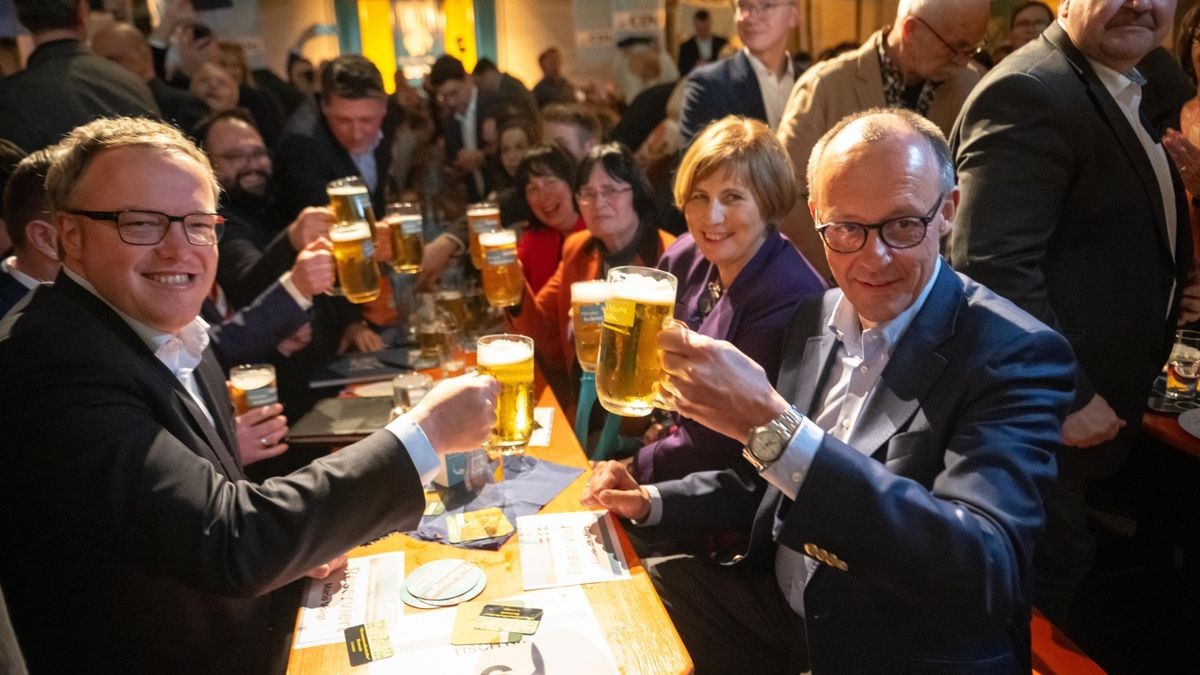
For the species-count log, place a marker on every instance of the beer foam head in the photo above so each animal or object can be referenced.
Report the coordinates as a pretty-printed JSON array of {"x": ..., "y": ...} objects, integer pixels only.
[
  {"x": 589, "y": 292},
  {"x": 644, "y": 289},
  {"x": 483, "y": 209},
  {"x": 346, "y": 190},
  {"x": 350, "y": 231},
  {"x": 449, "y": 295},
  {"x": 502, "y": 352},
  {"x": 498, "y": 238}
]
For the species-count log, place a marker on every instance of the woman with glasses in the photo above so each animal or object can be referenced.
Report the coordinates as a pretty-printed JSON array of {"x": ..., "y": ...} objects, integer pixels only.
[
  {"x": 617, "y": 204},
  {"x": 543, "y": 192},
  {"x": 739, "y": 279}
]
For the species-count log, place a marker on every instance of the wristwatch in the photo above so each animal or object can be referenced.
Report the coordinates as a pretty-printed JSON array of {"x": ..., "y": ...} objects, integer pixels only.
[{"x": 766, "y": 443}]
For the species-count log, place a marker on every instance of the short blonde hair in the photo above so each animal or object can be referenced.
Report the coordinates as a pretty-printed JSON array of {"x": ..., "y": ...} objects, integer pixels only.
[
  {"x": 748, "y": 150},
  {"x": 80, "y": 147}
]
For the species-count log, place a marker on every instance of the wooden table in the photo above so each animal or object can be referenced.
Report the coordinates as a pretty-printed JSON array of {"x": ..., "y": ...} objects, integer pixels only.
[
  {"x": 1165, "y": 428},
  {"x": 639, "y": 632},
  {"x": 1055, "y": 654}
]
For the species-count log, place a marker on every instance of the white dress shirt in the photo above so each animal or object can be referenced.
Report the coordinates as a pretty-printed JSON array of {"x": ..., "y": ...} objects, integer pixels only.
[
  {"x": 775, "y": 88},
  {"x": 367, "y": 165},
  {"x": 9, "y": 266},
  {"x": 467, "y": 125}
]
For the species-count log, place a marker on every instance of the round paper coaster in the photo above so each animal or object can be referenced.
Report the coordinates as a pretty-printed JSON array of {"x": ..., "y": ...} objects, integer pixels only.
[
  {"x": 426, "y": 604},
  {"x": 443, "y": 580}
]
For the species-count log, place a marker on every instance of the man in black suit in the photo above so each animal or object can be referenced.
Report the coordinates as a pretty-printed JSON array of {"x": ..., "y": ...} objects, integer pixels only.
[
  {"x": 30, "y": 226},
  {"x": 892, "y": 489},
  {"x": 125, "y": 45},
  {"x": 1072, "y": 209},
  {"x": 553, "y": 87},
  {"x": 351, "y": 135},
  {"x": 754, "y": 82},
  {"x": 469, "y": 116},
  {"x": 63, "y": 84},
  {"x": 125, "y": 517},
  {"x": 701, "y": 48}
]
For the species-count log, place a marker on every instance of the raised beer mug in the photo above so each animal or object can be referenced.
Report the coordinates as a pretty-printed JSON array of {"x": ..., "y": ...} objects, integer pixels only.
[
  {"x": 629, "y": 370},
  {"x": 503, "y": 282},
  {"x": 350, "y": 201},
  {"x": 587, "y": 318},
  {"x": 406, "y": 231},
  {"x": 481, "y": 217},
  {"x": 509, "y": 359},
  {"x": 354, "y": 259}
]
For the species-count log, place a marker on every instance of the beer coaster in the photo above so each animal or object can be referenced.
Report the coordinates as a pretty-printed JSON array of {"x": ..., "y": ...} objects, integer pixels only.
[
  {"x": 438, "y": 604},
  {"x": 1190, "y": 422},
  {"x": 443, "y": 580}
]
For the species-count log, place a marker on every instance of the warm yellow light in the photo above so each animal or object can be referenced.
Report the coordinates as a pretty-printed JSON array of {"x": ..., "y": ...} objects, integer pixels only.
[
  {"x": 378, "y": 43},
  {"x": 460, "y": 31}
]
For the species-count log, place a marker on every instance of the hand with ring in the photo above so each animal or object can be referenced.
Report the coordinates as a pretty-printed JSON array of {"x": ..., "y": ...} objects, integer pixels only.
[
  {"x": 260, "y": 434},
  {"x": 1186, "y": 157}
]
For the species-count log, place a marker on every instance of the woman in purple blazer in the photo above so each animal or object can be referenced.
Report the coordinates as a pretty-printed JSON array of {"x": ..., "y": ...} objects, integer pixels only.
[{"x": 739, "y": 279}]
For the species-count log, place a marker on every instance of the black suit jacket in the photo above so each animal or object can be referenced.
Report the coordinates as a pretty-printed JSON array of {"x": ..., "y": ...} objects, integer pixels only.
[
  {"x": 178, "y": 106},
  {"x": 63, "y": 86},
  {"x": 924, "y": 522},
  {"x": 308, "y": 157},
  {"x": 11, "y": 292},
  {"x": 712, "y": 91},
  {"x": 689, "y": 53},
  {"x": 255, "y": 248},
  {"x": 485, "y": 107},
  {"x": 125, "y": 518},
  {"x": 1061, "y": 212}
]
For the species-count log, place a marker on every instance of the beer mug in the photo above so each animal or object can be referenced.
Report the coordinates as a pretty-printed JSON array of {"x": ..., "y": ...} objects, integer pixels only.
[
  {"x": 629, "y": 371},
  {"x": 252, "y": 386},
  {"x": 481, "y": 217},
  {"x": 509, "y": 359},
  {"x": 354, "y": 258},
  {"x": 452, "y": 301},
  {"x": 350, "y": 201},
  {"x": 587, "y": 318},
  {"x": 503, "y": 282},
  {"x": 1183, "y": 366},
  {"x": 406, "y": 231}
]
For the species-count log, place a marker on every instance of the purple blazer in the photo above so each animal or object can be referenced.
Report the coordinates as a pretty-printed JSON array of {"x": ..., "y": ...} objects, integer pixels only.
[{"x": 753, "y": 314}]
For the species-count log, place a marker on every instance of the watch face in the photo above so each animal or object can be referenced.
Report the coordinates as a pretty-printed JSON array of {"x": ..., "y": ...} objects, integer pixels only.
[{"x": 767, "y": 445}]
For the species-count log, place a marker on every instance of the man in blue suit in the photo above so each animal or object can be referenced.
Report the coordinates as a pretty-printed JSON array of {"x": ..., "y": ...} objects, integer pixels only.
[
  {"x": 904, "y": 454},
  {"x": 754, "y": 82}
]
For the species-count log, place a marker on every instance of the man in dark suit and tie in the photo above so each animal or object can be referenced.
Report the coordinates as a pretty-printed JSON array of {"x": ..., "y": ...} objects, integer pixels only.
[
  {"x": 904, "y": 453},
  {"x": 125, "y": 517},
  {"x": 754, "y": 82},
  {"x": 465, "y": 124},
  {"x": 349, "y": 135},
  {"x": 703, "y": 47},
  {"x": 1063, "y": 185}
]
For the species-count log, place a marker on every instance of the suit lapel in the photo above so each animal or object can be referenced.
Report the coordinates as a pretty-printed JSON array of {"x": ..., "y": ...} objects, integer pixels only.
[
  {"x": 802, "y": 371},
  {"x": 746, "y": 85},
  {"x": 1111, "y": 112},
  {"x": 912, "y": 370},
  {"x": 211, "y": 381}
]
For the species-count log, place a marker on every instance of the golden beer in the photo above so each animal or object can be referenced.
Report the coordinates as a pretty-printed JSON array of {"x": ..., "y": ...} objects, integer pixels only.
[
  {"x": 503, "y": 282},
  {"x": 587, "y": 317},
  {"x": 252, "y": 386},
  {"x": 406, "y": 230},
  {"x": 354, "y": 255},
  {"x": 350, "y": 201},
  {"x": 509, "y": 359},
  {"x": 629, "y": 365},
  {"x": 481, "y": 217},
  {"x": 429, "y": 339},
  {"x": 454, "y": 304}
]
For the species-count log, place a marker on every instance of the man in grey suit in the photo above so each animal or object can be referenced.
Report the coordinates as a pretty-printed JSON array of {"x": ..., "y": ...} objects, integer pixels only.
[
  {"x": 1072, "y": 210},
  {"x": 64, "y": 84},
  {"x": 904, "y": 453},
  {"x": 126, "y": 520}
]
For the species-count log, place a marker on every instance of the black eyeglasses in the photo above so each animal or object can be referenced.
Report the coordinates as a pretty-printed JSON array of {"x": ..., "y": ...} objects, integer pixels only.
[
  {"x": 897, "y": 233},
  {"x": 961, "y": 52},
  {"x": 147, "y": 228}
]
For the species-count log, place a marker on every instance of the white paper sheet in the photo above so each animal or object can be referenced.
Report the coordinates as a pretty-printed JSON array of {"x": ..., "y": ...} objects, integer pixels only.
[
  {"x": 543, "y": 418},
  {"x": 568, "y": 641},
  {"x": 366, "y": 589},
  {"x": 565, "y": 549}
]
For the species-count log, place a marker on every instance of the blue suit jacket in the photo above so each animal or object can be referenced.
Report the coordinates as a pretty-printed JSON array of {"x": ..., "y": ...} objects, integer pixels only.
[
  {"x": 927, "y": 518},
  {"x": 753, "y": 314},
  {"x": 250, "y": 336},
  {"x": 714, "y": 90}
]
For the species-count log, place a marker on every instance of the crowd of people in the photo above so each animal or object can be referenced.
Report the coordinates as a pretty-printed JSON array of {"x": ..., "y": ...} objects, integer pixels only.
[{"x": 922, "y": 299}]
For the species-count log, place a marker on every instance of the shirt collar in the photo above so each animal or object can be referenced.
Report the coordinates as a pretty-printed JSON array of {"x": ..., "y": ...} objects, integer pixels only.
[
  {"x": 762, "y": 70},
  {"x": 188, "y": 345},
  {"x": 370, "y": 152},
  {"x": 847, "y": 328},
  {"x": 9, "y": 267},
  {"x": 469, "y": 113},
  {"x": 1115, "y": 82}
]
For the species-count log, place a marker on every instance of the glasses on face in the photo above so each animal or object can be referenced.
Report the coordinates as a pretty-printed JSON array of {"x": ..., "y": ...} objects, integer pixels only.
[
  {"x": 963, "y": 53},
  {"x": 749, "y": 9},
  {"x": 147, "y": 228},
  {"x": 590, "y": 196},
  {"x": 243, "y": 156},
  {"x": 896, "y": 233}
]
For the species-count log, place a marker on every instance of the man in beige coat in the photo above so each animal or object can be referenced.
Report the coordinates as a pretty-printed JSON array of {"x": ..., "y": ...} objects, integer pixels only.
[{"x": 919, "y": 63}]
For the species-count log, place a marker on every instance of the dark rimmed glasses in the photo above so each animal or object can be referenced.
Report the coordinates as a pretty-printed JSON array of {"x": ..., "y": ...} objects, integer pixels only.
[
  {"x": 963, "y": 53},
  {"x": 896, "y": 233},
  {"x": 147, "y": 228}
]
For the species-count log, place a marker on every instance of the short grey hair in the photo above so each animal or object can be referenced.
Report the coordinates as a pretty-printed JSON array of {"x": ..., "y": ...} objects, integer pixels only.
[
  {"x": 80, "y": 147},
  {"x": 879, "y": 124}
]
